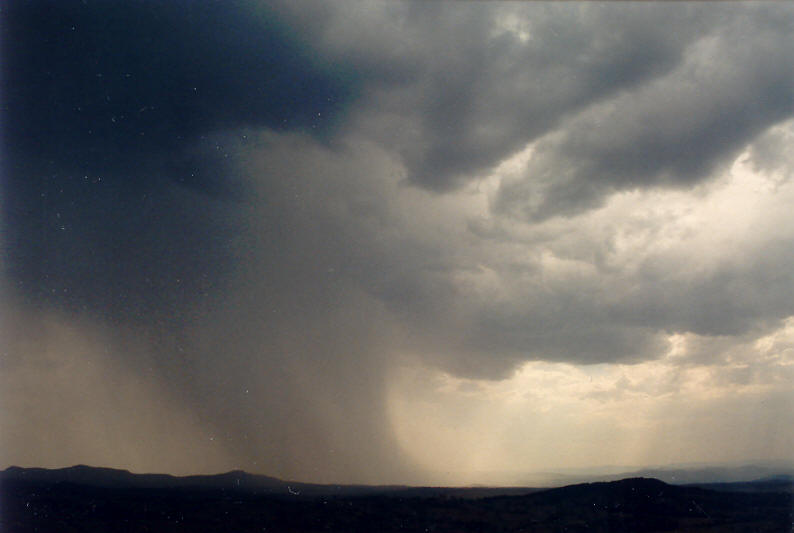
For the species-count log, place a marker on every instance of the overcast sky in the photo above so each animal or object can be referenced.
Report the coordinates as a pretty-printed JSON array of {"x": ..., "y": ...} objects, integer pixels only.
[{"x": 396, "y": 242}]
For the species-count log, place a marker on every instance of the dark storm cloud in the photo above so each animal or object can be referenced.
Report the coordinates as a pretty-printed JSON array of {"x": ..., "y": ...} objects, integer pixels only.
[
  {"x": 257, "y": 211},
  {"x": 618, "y": 96},
  {"x": 596, "y": 77},
  {"x": 129, "y": 223},
  {"x": 110, "y": 111},
  {"x": 676, "y": 130},
  {"x": 481, "y": 81}
]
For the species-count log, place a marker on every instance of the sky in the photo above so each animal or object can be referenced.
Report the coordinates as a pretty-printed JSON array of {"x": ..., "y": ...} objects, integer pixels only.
[{"x": 396, "y": 242}]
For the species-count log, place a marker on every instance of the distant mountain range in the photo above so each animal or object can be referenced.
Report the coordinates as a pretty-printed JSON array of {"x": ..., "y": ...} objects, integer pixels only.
[
  {"x": 117, "y": 478},
  {"x": 88, "y": 499},
  {"x": 112, "y": 477},
  {"x": 675, "y": 475},
  {"x": 781, "y": 483},
  {"x": 234, "y": 480},
  {"x": 712, "y": 474},
  {"x": 745, "y": 478}
]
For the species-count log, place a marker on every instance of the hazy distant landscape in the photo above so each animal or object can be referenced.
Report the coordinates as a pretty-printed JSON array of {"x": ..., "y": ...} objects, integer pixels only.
[{"x": 87, "y": 499}]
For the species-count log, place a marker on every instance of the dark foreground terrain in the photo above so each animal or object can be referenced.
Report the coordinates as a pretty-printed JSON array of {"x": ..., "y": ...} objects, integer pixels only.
[{"x": 82, "y": 499}]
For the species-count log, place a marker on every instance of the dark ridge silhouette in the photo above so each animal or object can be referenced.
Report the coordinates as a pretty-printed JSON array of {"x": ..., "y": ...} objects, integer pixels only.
[
  {"x": 712, "y": 474},
  {"x": 90, "y": 500},
  {"x": 695, "y": 474},
  {"x": 123, "y": 479},
  {"x": 112, "y": 477},
  {"x": 234, "y": 480},
  {"x": 781, "y": 483}
]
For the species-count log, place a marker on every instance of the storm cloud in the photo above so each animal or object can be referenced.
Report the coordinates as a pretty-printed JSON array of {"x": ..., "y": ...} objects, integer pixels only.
[{"x": 235, "y": 225}]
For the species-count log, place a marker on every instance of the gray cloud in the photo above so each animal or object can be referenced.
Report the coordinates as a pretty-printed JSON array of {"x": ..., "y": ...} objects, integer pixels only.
[
  {"x": 617, "y": 96},
  {"x": 595, "y": 314},
  {"x": 770, "y": 152},
  {"x": 479, "y": 82},
  {"x": 674, "y": 130}
]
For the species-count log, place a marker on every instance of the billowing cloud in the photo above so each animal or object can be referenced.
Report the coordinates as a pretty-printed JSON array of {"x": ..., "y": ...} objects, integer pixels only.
[
  {"x": 464, "y": 90},
  {"x": 674, "y": 130}
]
